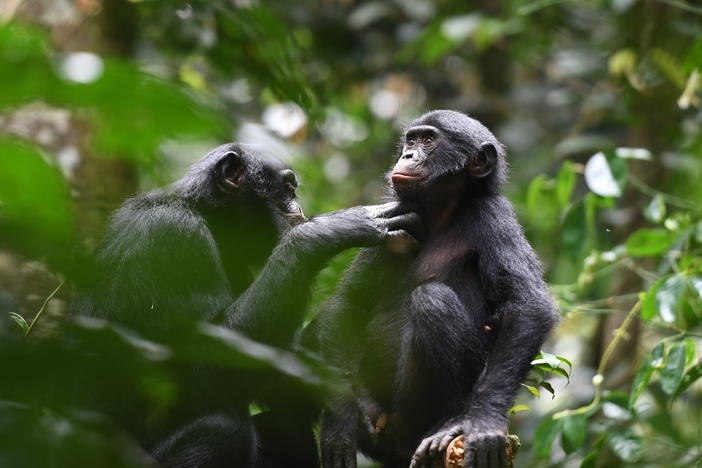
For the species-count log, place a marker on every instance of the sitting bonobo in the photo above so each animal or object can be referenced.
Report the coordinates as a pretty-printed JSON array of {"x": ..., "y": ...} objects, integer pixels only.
[
  {"x": 437, "y": 340},
  {"x": 187, "y": 251}
]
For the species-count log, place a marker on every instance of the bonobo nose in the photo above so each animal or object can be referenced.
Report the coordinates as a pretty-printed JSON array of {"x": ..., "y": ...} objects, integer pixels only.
[{"x": 408, "y": 155}]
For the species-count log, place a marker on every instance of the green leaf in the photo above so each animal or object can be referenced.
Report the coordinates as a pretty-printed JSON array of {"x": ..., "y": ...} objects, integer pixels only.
[
  {"x": 35, "y": 208},
  {"x": 534, "y": 391},
  {"x": 643, "y": 376},
  {"x": 626, "y": 445},
  {"x": 257, "y": 408},
  {"x": 669, "y": 296},
  {"x": 539, "y": 193},
  {"x": 565, "y": 183},
  {"x": 692, "y": 375},
  {"x": 549, "y": 388},
  {"x": 546, "y": 358},
  {"x": 696, "y": 283},
  {"x": 574, "y": 234},
  {"x": 574, "y": 432},
  {"x": 20, "y": 321},
  {"x": 674, "y": 370},
  {"x": 649, "y": 307},
  {"x": 566, "y": 361},
  {"x": 690, "y": 352},
  {"x": 606, "y": 174},
  {"x": 518, "y": 408},
  {"x": 590, "y": 461},
  {"x": 545, "y": 435},
  {"x": 648, "y": 242},
  {"x": 655, "y": 210}
]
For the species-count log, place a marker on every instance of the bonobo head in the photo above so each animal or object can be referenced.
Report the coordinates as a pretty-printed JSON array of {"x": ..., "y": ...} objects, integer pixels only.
[
  {"x": 446, "y": 153},
  {"x": 237, "y": 180}
]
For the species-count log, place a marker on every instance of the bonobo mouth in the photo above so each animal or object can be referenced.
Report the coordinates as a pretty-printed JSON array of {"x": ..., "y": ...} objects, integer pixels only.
[{"x": 405, "y": 176}]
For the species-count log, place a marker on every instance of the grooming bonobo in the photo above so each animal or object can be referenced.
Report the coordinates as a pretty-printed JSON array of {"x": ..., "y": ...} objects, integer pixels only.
[
  {"x": 188, "y": 250},
  {"x": 438, "y": 340}
]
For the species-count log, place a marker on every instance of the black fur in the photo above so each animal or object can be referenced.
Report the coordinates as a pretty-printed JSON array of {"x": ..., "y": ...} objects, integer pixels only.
[
  {"x": 190, "y": 251},
  {"x": 437, "y": 340}
]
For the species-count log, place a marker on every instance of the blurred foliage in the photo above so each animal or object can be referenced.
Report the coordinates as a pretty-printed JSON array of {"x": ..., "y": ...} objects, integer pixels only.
[{"x": 597, "y": 102}]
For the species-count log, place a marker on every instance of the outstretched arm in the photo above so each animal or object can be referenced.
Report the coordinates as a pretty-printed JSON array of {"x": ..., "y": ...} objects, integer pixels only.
[
  {"x": 272, "y": 308},
  {"x": 340, "y": 327}
]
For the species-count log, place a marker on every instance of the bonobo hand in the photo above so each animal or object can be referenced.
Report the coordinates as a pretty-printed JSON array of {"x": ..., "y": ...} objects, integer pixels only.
[
  {"x": 485, "y": 444},
  {"x": 338, "y": 439},
  {"x": 365, "y": 226}
]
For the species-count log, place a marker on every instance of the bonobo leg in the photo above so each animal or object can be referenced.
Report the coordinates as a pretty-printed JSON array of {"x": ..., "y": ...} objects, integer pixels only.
[
  {"x": 443, "y": 348},
  {"x": 442, "y": 354},
  {"x": 214, "y": 441}
]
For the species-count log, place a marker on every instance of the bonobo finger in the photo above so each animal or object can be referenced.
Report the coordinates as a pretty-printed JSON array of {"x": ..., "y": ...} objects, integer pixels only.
[
  {"x": 350, "y": 460},
  {"x": 418, "y": 459},
  {"x": 481, "y": 460},
  {"x": 390, "y": 209},
  {"x": 502, "y": 457},
  {"x": 445, "y": 441},
  {"x": 434, "y": 447},
  {"x": 410, "y": 222},
  {"x": 468, "y": 456},
  {"x": 494, "y": 456}
]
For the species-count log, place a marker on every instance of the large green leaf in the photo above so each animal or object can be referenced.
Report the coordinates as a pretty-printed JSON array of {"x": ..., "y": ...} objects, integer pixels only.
[
  {"x": 25, "y": 71},
  {"x": 674, "y": 370},
  {"x": 643, "y": 376},
  {"x": 626, "y": 445},
  {"x": 565, "y": 183},
  {"x": 669, "y": 297},
  {"x": 35, "y": 209},
  {"x": 649, "y": 307},
  {"x": 544, "y": 436},
  {"x": 574, "y": 432},
  {"x": 574, "y": 233},
  {"x": 691, "y": 376}
]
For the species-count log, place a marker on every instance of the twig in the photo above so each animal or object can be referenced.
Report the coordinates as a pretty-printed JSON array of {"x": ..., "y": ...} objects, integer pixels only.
[
  {"x": 598, "y": 379},
  {"x": 683, "y": 6},
  {"x": 43, "y": 308},
  {"x": 671, "y": 199}
]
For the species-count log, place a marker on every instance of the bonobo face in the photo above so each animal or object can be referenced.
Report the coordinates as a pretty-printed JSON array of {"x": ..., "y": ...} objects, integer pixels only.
[
  {"x": 244, "y": 172},
  {"x": 445, "y": 153},
  {"x": 246, "y": 182},
  {"x": 412, "y": 167}
]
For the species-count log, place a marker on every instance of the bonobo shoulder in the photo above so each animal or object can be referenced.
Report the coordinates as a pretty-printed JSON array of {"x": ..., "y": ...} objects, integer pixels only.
[{"x": 146, "y": 221}]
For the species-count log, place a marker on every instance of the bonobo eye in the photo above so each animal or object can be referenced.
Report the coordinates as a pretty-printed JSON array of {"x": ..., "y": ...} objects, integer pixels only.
[
  {"x": 428, "y": 140},
  {"x": 410, "y": 143},
  {"x": 289, "y": 179}
]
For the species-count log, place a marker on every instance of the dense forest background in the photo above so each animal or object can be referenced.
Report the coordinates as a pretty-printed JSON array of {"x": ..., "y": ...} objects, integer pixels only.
[{"x": 598, "y": 103}]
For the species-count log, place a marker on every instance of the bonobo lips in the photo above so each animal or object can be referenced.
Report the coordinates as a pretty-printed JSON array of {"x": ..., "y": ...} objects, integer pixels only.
[{"x": 405, "y": 176}]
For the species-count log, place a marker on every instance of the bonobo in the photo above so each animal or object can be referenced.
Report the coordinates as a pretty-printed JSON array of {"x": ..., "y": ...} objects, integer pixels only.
[
  {"x": 189, "y": 250},
  {"x": 437, "y": 340}
]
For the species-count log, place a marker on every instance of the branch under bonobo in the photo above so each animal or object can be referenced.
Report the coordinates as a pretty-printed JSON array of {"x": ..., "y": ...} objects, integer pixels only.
[{"x": 453, "y": 457}]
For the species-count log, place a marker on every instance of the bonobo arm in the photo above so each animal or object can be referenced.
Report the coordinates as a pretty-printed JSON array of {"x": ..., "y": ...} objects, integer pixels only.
[
  {"x": 272, "y": 308},
  {"x": 524, "y": 311},
  {"x": 340, "y": 325}
]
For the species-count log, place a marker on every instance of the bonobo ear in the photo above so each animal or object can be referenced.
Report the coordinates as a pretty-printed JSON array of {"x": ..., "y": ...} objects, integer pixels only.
[
  {"x": 229, "y": 172},
  {"x": 484, "y": 160}
]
